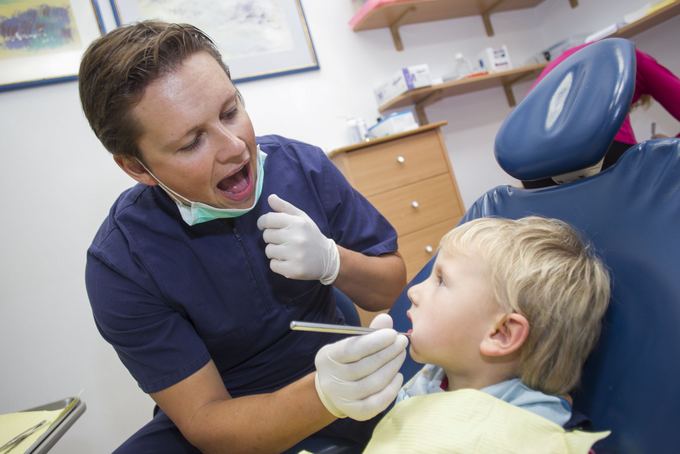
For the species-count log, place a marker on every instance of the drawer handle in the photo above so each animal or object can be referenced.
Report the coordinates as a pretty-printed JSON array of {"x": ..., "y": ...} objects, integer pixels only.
[
  {"x": 401, "y": 159},
  {"x": 415, "y": 204},
  {"x": 429, "y": 249}
]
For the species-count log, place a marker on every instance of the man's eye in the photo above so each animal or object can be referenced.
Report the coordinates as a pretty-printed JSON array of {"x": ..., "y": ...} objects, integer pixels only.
[
  {"x": 193, "y": 144},
  {"x": 229, "y": 114}
]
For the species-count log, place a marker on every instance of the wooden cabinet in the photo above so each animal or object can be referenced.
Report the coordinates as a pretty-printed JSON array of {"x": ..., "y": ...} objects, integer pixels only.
[{"x": 408, "y": 178}]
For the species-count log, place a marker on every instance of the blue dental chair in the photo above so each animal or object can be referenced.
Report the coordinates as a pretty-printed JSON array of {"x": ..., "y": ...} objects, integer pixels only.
[{"x": 629, "y": 212}]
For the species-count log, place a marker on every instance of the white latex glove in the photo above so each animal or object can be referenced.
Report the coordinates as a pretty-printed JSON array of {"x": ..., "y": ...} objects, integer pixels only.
[
  {"x": 295, "y": 246},
  {"x": 359, "y": 376}
]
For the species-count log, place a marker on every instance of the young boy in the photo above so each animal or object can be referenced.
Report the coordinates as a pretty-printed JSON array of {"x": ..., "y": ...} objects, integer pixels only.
[{"x": 504, "y": 322}]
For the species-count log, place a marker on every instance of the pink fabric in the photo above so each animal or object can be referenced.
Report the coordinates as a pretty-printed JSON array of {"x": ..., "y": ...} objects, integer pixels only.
[
  {"x": 651, "y": 79},
  {"x": 368, "y": 7}
]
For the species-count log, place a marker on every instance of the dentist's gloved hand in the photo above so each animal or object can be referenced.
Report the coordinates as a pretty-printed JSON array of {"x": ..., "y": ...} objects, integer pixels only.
[
  {"x": 295, "y": 246},
  {"x": 359, "y": 376}
]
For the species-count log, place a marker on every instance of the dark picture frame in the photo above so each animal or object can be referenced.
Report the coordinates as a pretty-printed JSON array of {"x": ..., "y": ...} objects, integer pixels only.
[{"x": 42, "y": 41}]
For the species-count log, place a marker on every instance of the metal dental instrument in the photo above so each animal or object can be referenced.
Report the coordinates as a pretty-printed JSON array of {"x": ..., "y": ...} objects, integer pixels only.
[{"x": 330, "y": 328}]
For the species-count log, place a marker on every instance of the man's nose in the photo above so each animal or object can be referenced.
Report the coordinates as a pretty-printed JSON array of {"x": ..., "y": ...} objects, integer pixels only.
[{"x": 229, "y": 144}]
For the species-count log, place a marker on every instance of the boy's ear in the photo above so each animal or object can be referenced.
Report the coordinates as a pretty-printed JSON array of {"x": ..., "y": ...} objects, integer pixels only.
[
  {"x": 135, "y": 169},
  {"x": 506, "y": 336}
]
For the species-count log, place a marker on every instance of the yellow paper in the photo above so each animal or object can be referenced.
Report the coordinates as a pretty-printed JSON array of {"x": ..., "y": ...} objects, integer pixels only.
[
  {"x": 12, "y": 424},
  {"x": 472, "y": 421}
]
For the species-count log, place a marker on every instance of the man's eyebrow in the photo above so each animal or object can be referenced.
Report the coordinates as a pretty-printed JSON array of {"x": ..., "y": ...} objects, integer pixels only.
[{"x": 231, "y": 99}]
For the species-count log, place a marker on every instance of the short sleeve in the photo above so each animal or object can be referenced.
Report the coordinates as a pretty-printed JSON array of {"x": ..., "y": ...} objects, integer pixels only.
[{"x": 155, "y": 342}]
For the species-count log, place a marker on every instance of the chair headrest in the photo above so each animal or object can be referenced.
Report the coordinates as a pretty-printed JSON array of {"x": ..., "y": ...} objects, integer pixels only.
[{"x": 570, "y": 118}]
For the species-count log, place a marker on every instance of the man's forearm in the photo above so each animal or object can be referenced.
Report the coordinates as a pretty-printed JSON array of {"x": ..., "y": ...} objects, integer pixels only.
[
  {"x": 373, "y": 283},
  {"x": 265, "y": 423}
]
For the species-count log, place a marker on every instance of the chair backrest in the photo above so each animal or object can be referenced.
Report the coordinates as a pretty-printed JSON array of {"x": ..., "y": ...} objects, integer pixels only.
[{"x": 631, "y": 215}]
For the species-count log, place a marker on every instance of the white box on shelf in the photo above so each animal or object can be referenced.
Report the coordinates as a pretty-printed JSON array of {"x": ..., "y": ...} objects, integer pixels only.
[
  {"x": 603, "y": 33},
  {"x": 392, "y": 124},
  {"x": 495, "y": 59},
  {"x": 637, "y": 14},
  {"x": 403, "y": 80}
]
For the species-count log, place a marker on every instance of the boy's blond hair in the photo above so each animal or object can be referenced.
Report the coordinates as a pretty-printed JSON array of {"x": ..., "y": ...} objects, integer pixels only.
[{"x": 542, "y": 269}]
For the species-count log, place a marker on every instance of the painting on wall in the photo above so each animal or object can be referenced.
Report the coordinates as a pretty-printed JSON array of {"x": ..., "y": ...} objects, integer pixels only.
[
  {"x": 42, "y": 41},
  {"x": 257, "y": 38}
]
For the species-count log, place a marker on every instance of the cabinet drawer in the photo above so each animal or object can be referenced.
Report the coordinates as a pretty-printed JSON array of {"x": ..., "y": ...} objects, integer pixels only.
[
  {"x": 419, "y": 205},
  {"x": 419, "y": 247},
  {"x": 394, "y": 164}
]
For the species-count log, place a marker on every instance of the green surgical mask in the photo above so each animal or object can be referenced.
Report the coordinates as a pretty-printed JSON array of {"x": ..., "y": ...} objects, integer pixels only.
[{"x": 198, "y": 212}]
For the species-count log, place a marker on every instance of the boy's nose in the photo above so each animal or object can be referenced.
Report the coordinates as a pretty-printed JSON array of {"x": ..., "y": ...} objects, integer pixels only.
[{"x": 412, "y": 294}]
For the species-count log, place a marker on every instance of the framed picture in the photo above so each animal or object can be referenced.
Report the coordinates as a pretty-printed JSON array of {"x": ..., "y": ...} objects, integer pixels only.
[
  {"x": 257, "y": 38},
  {"x": 42, "y": 41}
]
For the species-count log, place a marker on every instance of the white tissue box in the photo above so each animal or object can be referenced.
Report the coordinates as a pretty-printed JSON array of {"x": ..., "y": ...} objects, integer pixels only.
[
  {"x": 403, "y": 80},
  {"x": 392, "y": 124}
]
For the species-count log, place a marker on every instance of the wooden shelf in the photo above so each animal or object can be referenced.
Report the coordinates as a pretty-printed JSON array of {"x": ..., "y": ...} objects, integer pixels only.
[
  {"x": 422, "y": 97},
  {"x": 650, "y": 20},
  {"x": 394, "y": 15}
]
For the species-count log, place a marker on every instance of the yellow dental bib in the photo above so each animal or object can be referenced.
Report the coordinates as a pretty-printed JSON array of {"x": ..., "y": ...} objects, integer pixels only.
[{"x": 472, "y": 422}]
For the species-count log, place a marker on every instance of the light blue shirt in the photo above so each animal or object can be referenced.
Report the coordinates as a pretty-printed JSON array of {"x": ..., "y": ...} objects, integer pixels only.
[{"x": 429, "y": 379}]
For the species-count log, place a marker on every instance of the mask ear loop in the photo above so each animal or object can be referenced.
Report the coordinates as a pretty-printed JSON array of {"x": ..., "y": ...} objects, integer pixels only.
[{"x": 174, "y": 195}]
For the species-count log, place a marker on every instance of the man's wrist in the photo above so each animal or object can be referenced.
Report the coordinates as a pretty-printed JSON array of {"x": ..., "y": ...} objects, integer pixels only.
[
  {"x": 332, "y": 409},
  {"x": 333, "y": 264}
]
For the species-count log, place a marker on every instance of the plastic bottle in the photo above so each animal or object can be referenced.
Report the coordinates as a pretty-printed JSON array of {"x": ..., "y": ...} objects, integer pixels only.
[
  {"x": 357, "y": 129},
  {"x": 462, "y": 66}
]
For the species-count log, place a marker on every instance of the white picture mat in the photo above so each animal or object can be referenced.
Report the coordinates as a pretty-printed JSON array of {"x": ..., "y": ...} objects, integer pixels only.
[
  {"x": 56, "y": 64},
  {"x": 257, "y": 38}
]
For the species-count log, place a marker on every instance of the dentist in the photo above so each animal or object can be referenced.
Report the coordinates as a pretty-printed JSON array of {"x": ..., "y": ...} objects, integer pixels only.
[{"x": 197, "y": 271}]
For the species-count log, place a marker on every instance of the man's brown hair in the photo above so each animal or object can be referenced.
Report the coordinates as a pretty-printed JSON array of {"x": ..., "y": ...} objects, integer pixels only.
[{"x": 117, "y": 68}]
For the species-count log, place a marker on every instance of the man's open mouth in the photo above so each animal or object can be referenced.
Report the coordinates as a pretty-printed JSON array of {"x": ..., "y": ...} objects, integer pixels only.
[{"x": 237, "y": 186}]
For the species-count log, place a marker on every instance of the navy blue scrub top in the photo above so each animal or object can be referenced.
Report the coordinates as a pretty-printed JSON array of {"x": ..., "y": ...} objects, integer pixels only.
[{"x": 169, "y": 297}]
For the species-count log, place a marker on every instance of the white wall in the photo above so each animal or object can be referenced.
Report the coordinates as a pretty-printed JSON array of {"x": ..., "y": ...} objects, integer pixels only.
[{"x": 58, "y": 183}]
